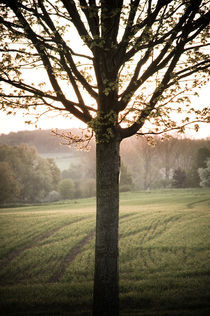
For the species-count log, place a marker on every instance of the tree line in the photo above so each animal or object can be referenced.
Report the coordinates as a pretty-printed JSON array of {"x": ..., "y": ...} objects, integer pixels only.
[
  {"x": 172, "y": 162},
  {"x": 26, "y": 177},
  {"x": 146, "y": 164}
]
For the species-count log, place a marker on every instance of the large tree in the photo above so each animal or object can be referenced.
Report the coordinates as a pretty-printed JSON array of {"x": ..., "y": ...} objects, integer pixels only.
[{"x": 134, "y": 59}]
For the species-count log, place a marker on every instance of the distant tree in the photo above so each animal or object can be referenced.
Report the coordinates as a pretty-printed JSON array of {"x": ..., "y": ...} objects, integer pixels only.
[
  {"x": 78, "y": 190},
  {"x": 37, "y": 176},
  {"x": 179, "y": 178},
  {"x": 147, "y": 153},
  {"x": 200, "y": 161},
  {"x": 126, "y": 180},
  {"x": 66, "y": 189},
  {"x": 42, "y": 178},
  {"x": 9, "y": 186},
  {"x": 204, "y": 174},
  {"x": 167, "y": 149},
  {"x": 54, "y": 173},
  {"x": 135, "y": 59},
  {"x": 53, "y": 196},
  {"x": 202, "y": 156}
]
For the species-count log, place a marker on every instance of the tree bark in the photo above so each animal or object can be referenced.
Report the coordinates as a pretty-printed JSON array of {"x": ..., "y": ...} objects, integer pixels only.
[{"x": 106, "y": 278}]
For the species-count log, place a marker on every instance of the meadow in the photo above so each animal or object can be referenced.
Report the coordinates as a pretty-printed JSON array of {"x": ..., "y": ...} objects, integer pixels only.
[{"x": 47, "y": 255}]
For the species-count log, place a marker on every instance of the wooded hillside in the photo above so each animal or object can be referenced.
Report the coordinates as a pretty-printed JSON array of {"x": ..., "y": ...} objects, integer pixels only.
[{"x": 43, "y": 140}]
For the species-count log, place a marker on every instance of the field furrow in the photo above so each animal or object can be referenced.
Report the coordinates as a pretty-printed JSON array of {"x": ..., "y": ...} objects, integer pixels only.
[
  {"x": 70, "y": 257},
  {"x": 17, "y": 252}
]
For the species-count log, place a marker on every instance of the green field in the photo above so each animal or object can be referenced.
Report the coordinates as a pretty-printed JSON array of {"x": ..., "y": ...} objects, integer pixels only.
[{"x": 47, "y": 255}]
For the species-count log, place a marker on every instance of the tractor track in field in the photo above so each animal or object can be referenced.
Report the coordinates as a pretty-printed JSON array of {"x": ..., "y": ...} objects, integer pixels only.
[
  {"x": 144, "y": 259},
  {"x": 149, "y": 262},
  {"x": 192, "y": 204},
  {"x": 127, "y": 215},
  {"x": 150, "y": 256},
  {"x": 153, "y": 231},
  {"x": 157, "y": 231},
  {"x": 152, "y": 228},
  {"x": 70, "y": 257},
  {"x": 18, "y": 251},
  {"x": 149, "y": 232}
]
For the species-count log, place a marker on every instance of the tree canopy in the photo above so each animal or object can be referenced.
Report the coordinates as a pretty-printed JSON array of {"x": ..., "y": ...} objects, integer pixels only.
[{"x": 135, "y": 59}]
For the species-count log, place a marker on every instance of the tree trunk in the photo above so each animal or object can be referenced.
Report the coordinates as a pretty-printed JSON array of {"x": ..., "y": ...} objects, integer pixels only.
[{"x": 106, "y": 278}]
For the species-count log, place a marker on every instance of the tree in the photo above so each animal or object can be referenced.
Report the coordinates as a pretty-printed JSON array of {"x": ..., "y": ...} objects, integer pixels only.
[
  {"x": 54, "y": 172},
  {"x": 133, "y": 58},
  {"x": 66, "y": 189},
  {"x": 146, "y": 154},
  {"x": 179, "y": 178},
  {"x": 201, "y": 157},
  {"x": 126, "y": 180},
  {"x": 34, "y": 176},
  {"x": 9, "y": 186},
  {"x": 204, "y": 174}
]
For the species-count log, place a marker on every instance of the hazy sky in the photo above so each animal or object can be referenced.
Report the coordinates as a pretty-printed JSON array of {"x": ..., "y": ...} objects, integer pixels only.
[{"x": 9, "y": 123}]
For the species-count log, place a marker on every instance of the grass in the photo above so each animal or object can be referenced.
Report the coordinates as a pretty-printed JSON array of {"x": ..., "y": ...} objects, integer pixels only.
[{"x": 47, "y": 256}]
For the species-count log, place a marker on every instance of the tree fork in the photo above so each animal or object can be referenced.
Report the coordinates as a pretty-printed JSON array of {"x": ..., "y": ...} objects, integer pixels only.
[{"x": 106, "y": 278}]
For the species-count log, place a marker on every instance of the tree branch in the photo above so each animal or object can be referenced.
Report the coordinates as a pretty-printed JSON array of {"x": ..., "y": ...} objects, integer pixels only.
[
  {"x": 67, "y": 52},
  {"x": 73, "y": 13},
  {"x": 166, "y": 130},
  {"x": 91, "y": 13}
]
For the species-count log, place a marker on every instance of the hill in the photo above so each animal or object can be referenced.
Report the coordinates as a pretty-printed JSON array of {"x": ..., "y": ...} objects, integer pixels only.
[
  {"x": 43, "y": 140},
  {"x": 47, "y": 145}
]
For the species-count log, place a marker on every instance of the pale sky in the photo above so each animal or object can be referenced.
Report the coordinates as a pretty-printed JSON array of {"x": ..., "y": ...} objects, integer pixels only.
[{"x": 9, "y": 123}]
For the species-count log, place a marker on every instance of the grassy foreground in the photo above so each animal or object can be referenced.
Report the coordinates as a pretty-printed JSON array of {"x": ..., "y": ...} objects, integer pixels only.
[{"x": 47, "y": 256}]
